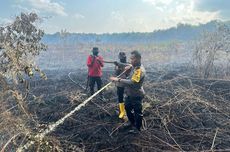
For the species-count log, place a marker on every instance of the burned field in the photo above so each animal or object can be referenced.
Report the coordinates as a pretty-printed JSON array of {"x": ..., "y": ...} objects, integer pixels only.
[{"x": 181, "y": 113}]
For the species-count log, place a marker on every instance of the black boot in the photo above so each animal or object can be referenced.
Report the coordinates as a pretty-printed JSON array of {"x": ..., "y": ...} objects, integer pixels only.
[
  {"x": 138, "y": 120},
  {"x": 128, "y": 125}
]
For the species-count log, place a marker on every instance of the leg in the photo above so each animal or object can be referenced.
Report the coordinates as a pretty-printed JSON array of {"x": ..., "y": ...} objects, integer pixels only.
[
  {"x": 91, "y": 85},
  {"x": 99, "y": 84},
  {"x": 120, "y": 93},
  {"x": 138, "y": 113},
  {"x": 129, "y": 108}
]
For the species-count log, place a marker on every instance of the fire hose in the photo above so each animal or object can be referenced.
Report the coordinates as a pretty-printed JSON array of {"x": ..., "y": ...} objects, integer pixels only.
[{"x": 53, "y": 126}]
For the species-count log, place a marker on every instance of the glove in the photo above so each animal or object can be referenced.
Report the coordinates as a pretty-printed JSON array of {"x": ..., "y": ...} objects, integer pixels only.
[{"x": 116, "y": 63}]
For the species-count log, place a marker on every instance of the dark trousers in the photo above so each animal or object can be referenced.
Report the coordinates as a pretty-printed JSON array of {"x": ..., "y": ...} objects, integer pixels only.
[
  {"x": 120, "y": 94},
  {"x": 92, "y": 81},
  {"x": 133, "y": 107}
]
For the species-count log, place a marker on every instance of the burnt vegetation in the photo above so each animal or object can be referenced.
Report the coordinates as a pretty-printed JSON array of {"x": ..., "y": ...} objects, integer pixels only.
[{"x": 186, "y": 107}]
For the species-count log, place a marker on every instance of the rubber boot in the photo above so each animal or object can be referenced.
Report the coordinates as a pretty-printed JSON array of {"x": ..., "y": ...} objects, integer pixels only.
[{"x": 122, "y": 110}]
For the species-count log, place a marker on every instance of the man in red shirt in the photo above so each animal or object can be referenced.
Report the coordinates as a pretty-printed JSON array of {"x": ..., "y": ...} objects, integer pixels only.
[{"x": 95, "y": 63}]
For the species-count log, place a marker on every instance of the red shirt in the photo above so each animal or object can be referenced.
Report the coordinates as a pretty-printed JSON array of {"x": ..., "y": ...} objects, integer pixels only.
[{"x": 95, "y": 63}]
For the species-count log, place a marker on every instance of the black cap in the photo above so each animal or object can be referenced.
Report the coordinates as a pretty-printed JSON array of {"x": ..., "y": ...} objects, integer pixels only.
[
  {"x": 122, "y": 57},
  {"x": 95, "y": 50}
]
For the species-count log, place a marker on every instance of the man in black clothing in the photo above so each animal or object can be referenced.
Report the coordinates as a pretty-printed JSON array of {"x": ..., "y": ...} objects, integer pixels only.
[{"x": 120, "y": 87}]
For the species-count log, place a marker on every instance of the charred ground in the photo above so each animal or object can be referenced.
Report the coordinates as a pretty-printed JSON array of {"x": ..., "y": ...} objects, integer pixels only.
[{"x": 181, "y": 113}]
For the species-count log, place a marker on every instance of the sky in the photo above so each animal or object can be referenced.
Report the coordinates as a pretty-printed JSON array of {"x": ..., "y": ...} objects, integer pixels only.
[{"x": 115, "y": 16}]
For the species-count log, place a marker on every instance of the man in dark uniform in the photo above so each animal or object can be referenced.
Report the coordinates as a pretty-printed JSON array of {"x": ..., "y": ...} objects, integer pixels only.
[
  {"x": 119, "y": 68},
  {"x": 134, "y": 90},
  {"x": 95, "y": 63}
]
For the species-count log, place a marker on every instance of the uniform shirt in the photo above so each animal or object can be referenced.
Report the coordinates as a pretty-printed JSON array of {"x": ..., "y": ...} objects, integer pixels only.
[
  {"x": 119, "y": 68},
  {"x": 95, "y": 63},
  {"x": 133, "y": 84}
]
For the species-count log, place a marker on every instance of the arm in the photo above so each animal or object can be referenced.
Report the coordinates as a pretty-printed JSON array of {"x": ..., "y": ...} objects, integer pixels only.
[
  {"x": 126, "y": 82},
  {"x": 123, "y": 81},
  {"x": 90, "y": 61},
  {"x": 120, "y": 64},
  {"x": 100, "y": 61},
  {"x": 134, "y": 80}
]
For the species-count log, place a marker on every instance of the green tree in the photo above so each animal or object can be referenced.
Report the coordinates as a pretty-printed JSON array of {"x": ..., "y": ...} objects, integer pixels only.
[{"x": 20, "y": 43}]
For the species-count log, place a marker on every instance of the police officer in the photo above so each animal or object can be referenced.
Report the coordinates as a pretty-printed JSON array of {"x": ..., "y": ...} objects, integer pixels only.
[{"x": 134, "y": 90}]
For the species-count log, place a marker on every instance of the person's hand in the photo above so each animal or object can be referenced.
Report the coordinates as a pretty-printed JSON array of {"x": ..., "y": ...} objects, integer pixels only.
[
  {"x": 98, "y": 58},
  {"x": 116, "y": 68},
  {"x": 128, "y": 67},
  {"x": 113, "y": 79},
  {"x": 115, "y": 62}
]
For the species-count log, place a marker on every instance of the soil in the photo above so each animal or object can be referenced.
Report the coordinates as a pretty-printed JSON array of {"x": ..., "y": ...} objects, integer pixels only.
[{"x": 181, "y": 113}]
